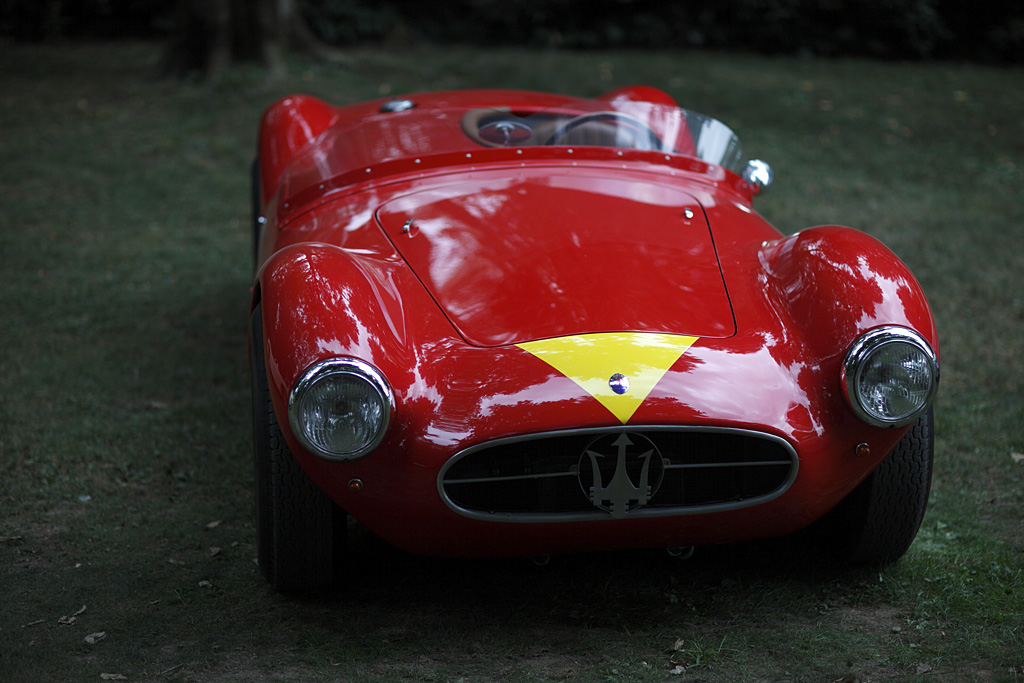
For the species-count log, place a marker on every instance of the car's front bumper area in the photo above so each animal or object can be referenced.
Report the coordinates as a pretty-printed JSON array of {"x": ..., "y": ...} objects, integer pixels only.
[{"x": 599, "y": 488}]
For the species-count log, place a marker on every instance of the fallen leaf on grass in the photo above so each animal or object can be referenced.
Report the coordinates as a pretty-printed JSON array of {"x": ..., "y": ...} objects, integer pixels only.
[
  {"x": 113, "y": 677},
  {"x": 1017, "y": 457},
  {"x": 68, "y": 620},
  {"x": 924, "y": 668},
  {"x": 214, "y": 551},
  {"x": 678, "y": 670},
  {"x": 94, "y": 638},
  {"x": 214, "y": 524}
]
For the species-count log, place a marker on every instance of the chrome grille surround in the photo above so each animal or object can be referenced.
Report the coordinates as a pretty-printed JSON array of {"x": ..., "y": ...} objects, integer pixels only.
[{"x": 537, "y": 477}]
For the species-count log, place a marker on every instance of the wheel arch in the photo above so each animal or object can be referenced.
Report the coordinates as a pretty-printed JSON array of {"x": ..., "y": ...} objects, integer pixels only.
[
  {"x": 287, "y": 126},
  {"x": 320, "y": 301},
  {"x": 836, "y": 283}
]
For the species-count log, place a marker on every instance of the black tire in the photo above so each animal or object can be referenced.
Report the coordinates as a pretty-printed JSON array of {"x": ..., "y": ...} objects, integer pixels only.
[
  {"x": 300, "y": 530},
  {"x": 257, "y": 210},
  {"x": 877, "y": 522}
]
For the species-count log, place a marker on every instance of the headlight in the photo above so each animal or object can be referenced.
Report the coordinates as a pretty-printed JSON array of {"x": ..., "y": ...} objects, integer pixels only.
[
  {"x": 339, "y": 409},
  {"x": 889, "y": 376}
]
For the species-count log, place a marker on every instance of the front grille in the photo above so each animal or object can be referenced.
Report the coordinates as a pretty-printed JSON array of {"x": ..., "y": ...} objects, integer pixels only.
[{"x": 668, "y": 470}]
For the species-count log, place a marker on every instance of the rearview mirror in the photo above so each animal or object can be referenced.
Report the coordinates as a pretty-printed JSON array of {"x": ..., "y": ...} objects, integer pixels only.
[{"x": 759, "y": 174}]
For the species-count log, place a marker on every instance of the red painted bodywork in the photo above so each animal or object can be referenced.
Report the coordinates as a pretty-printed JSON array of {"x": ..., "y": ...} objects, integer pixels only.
[{"x": 508, "y": 245}]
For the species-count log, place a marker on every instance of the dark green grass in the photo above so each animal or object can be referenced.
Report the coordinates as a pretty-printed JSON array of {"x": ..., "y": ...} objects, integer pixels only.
[{"x": 124, "y": 409}]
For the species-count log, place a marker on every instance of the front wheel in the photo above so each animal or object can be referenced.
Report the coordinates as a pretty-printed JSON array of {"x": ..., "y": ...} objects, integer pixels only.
[
  {"x": 876, "y": 523},
  {"x": 257, "y": 211},
  {"x": 300, "y": 530}
]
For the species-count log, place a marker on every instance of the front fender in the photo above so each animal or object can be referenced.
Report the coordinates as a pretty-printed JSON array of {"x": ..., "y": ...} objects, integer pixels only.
[
  {"x": 837, "y": 283},
  {"x": 320, "y": 301}
]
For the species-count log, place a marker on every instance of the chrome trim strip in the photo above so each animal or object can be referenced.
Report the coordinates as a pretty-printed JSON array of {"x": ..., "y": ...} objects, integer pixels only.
[
  {"x": 598, "y": 515},
  {"x": 514, "y": 477},
  {"x": 706, "y": 465}
]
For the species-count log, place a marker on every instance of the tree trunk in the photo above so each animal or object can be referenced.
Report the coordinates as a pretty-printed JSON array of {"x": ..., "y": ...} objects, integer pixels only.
[
  {"x": 271, "y": 48},
  {"x": 209, "y": 35},
  {"x": 220, "y": 56}
]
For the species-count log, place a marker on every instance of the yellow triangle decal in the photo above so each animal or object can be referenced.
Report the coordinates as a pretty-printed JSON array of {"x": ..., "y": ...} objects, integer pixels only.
[{"x": 591, "y": 360}]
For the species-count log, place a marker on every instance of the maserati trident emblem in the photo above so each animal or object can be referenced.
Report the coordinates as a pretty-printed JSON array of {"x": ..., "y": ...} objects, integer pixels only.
[{"x": 629, "y": 463}]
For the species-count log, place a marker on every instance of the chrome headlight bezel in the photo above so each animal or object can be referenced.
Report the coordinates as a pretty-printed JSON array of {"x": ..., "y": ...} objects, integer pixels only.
[
  {"x": 858, "y": 360},
  {"x": 346, "y": 369}
]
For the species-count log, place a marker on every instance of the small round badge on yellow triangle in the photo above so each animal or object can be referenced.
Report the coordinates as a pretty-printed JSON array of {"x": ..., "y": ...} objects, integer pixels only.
[{"x": 619, "y": 369}]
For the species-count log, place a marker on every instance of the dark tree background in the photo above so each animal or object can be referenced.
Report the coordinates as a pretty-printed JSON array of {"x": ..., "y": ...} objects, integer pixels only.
[{"x": 206, "y": 35}]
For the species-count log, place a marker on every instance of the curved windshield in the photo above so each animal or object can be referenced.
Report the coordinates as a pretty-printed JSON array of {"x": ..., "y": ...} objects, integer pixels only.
[
  {"x": 441, "y": 135},
  {"x": 622, "y": 124}
]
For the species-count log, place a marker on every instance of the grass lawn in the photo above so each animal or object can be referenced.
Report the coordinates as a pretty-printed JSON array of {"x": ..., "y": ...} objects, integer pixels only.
[{"x": 126, "y": 513}]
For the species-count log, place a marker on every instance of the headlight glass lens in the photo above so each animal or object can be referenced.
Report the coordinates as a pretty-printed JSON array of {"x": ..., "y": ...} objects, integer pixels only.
[
  {"x": 890, "y": 376},
  {"x": 339, "y": 409}
]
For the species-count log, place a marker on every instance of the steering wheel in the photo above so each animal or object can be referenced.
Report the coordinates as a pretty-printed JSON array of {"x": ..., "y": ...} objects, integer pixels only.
[{"x": 606, "y": 129}]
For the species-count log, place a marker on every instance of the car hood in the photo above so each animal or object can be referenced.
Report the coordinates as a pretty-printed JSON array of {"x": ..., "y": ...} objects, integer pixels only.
[{"x": 557, "y": 253}]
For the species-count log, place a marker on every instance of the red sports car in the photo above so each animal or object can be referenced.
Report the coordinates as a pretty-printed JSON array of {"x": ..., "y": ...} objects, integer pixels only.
[{"x": 506, "y": 323}]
